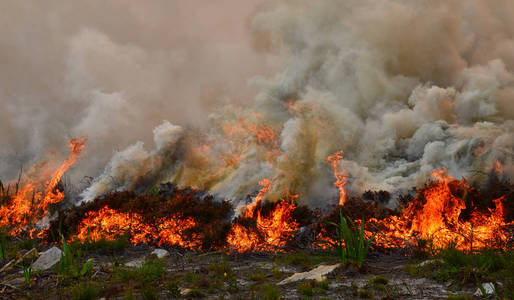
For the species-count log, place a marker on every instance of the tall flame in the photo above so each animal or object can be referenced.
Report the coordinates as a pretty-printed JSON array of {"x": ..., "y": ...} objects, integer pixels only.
[
  {"x": 340, "y": 176},
  {"x": 29, "y": 205},
  {"x": 272, "y": 230},
  {"x": 435, "y": 214}
]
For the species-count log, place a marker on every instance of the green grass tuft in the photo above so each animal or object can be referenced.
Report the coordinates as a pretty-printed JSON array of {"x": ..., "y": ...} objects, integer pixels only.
[
  {"x": 151, "y": 270},
  {"x": 269, "y": 291},
  {"x": 378, "y": 280},
  {"x": 85, "y": 291}
]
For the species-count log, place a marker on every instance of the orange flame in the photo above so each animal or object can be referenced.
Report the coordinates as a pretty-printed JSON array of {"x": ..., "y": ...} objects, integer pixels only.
[
  {"x": 497, "y": 167},
  {"x": 109, "y": 224},
  {"x": 272, "y": 231},
  {"x": 340, "y": 176},
  {"x": 438, "y": 219},
  {"x": 29, "y": 205}
]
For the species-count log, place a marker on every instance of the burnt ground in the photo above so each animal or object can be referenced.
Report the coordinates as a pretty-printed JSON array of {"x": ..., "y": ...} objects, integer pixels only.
[{"x": 216, "y": 275}]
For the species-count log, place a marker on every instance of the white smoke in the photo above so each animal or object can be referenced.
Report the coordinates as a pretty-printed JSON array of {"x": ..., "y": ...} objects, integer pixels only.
[
  {"x": 134, "y": 163},
  {"x": 403, "y": 87}
]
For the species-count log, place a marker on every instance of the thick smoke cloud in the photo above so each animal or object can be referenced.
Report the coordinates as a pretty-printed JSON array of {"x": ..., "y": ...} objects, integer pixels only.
[
  {"x": 403, "y": 87},
  {"x": 112, "y": 71}
]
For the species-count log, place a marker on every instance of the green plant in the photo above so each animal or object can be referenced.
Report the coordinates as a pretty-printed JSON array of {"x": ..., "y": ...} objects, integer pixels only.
[
  {"x": 305, "y": 259},
  {"x": 378, "y": 280},
  {"x": 27, "y": 272},
  {"x": 148, "y": 292},
  {"x": 151, "y": 270},
  {"x": 258, "y": 275},
  {"x": 269, "y": 292},
  {"x": 351, "y": 244},
  {"x": 305, "y": 288},
  {"x": 86, "y": 291},
  {"x": 366, "y": 294},
  {"x": 221, "y": 269},
  {"x": 70, "y": 262},
  {"x": 173, "y": 289},
  {"x": 312, "y": 287},
  {"x": 102, "y": 246}
]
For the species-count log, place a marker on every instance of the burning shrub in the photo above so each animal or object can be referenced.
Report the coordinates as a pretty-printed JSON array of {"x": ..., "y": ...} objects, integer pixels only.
[
  {"x": 21, "y": 212},
  {"x": 176, "y": 217},
  {"x": 267, "y": 226},
  {"x": 448, "y": 211}
]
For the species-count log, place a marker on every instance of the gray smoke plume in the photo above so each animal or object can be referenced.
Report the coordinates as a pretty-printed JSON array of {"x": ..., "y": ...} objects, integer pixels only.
[
  {"x": 112, "y": 71},
  {"x": 403, "y": 87}
]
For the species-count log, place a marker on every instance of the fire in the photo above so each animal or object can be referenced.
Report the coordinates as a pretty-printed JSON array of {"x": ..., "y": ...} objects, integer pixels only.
[
  {"x": 497, "y": 167},
  {"x": 272, "y": 230},
  {"x": 435, "y": 214},
  {"x": 29, "y": 205},
  {"x": 110, "y": 224},
  {"x": 340, "y": 176}
]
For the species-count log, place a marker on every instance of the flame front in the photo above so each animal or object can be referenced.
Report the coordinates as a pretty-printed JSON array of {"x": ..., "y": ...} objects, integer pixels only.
[
  {"x": 110, "y": 224},
  {"x": 271, "y": 232},
  {"x": 435, "y": 214},
  {"x": 29, "y": 205}
]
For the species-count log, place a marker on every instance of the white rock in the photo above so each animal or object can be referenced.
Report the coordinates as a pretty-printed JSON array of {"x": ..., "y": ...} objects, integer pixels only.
[
  {"x": 317, "y": 274},
  {"x": 137, "y": 263},
  {"x": 488, "y": 287},
  {"x": 429, "y": 262},
  {"x": 160, "y": 253},
  {"x": 184, "y": 291},
  {"x": 47, "y": 259}
]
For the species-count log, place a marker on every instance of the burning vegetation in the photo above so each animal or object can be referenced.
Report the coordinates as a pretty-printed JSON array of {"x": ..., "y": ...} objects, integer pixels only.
[
  {"x": 21, "y": 212},
  {"x": 445, "y": 212}
]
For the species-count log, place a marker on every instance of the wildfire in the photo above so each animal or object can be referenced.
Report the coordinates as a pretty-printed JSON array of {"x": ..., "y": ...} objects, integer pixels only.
[
  {"x": 29, "y": 205},
  {"x": 272, "y": 230},
  {"x": 340, "y": 176},
  {"x": 435, "y": 214},
  {"x": 110, "y": 224}
]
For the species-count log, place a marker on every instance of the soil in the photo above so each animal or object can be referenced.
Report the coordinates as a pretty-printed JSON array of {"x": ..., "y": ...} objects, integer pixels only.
[{"x": 254, "y": 276}]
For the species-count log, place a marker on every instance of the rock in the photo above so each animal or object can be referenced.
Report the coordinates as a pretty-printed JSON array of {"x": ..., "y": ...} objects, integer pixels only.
[
  {"x": 136, "y": 263},
  {"x": 160, "y": 253},
  {"x": 429, "y": 262},
  {"x": 184, "y": 291},
  {"x": 47, "y": 259},
  {"x": 317, "y": 274},
  {"x": 488, "y": 287}
]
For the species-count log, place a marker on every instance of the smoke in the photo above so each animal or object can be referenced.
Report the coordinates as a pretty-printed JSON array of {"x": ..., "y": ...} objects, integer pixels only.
[
  {"x": 403, "y": 87},
  {"x": 113, "y": 71}
]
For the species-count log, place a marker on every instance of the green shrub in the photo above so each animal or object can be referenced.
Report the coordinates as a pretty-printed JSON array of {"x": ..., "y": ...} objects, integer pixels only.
[{"x": 351, "y": 244}]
